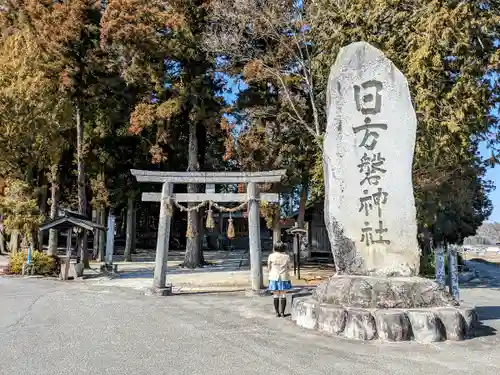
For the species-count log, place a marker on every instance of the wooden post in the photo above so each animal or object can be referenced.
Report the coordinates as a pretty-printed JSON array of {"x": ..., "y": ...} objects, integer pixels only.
[
  {"x": 68, "y": 253},
  {"x": 129, "y": 229},
  {"x": 254, "y": 234},
  {"x": 221, "y": 230},
  {"x": 160, "y": 273},
  {"x": 102, "y": 234}
]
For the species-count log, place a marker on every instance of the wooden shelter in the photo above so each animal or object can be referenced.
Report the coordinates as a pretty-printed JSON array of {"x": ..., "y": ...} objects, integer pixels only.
[{"x": 67, "y": 222}]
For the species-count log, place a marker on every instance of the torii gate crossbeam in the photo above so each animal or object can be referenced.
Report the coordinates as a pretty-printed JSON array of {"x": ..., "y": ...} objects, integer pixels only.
[{"x": 210, "y": 179}]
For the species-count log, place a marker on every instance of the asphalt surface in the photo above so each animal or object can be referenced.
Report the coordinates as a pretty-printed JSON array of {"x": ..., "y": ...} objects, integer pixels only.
[{"x": 50, "y": 327}]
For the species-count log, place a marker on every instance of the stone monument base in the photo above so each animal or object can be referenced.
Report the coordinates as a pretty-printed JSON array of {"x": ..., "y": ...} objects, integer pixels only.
[{"x": 388, "y": 309}]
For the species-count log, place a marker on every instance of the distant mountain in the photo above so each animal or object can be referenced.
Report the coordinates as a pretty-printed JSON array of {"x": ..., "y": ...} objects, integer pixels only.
[{"x": 486, "y": 234}]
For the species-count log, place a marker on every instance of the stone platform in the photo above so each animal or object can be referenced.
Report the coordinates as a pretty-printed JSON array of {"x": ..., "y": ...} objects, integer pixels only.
[{"x": 388, "y": 309}]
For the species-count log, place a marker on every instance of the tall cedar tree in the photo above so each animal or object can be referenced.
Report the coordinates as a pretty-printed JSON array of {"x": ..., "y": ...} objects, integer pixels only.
[
  {"x": 35, "y": 116},
  {"x": 68, "y": 33},
  {"x": 448, "y": 51},
  {"x": 268, "y": 139},
  {"x": 265, "y": 43},
  {"x": 159, "y": 45}
]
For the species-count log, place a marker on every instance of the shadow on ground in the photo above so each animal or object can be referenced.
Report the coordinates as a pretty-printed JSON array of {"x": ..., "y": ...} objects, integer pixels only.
[
  {"x": 484, "y": 261},
  {"x": 208, "y": 292},
  {"x": 148, "y": 272},
  {"x": 488, "y": 275},
  {"x": 484, "y": 282},
  {"x": 485, "y": 314},
  {"x": 488, "y": 312},
  {"x": 482, "y": 330}
]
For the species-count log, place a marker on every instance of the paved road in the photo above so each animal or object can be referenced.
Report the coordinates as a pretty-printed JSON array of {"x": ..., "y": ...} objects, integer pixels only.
[
  {"x": 486, "y": 270},
  {"x": 47, "y": 327}
]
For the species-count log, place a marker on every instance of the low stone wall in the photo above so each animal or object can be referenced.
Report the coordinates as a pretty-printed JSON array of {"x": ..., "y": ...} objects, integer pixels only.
[
  {"x": 384, "y": 308},
  {"x": 425, "y": 325}
]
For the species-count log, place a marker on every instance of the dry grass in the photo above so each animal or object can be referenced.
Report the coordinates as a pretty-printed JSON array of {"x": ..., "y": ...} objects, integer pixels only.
[{"x": 491, "y": 258}]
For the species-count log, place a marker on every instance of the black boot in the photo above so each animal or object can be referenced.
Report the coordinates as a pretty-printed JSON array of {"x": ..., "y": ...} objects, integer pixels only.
[
  {"x": 282, "y": 306},
  {"x": 277, "y": 306}
]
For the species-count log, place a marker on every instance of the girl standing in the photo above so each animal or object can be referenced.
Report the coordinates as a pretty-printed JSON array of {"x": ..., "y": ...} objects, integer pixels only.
[{"x": 278, "y": 265}]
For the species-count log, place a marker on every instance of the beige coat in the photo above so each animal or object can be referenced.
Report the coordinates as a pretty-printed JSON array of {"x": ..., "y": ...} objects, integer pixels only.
[{"x": 278, "y": 265}]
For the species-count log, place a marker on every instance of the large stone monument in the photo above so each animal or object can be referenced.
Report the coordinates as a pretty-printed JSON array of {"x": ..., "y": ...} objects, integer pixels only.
[
  {"x": 368, "y": 152},
  {"x": 370, "y": 213}
]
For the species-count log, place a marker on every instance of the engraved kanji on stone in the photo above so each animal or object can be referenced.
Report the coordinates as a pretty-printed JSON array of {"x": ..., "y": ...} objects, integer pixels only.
[
  {"x": 366, "y": 203},
  {"x": 369, "y": 201},
  {"x": 367, "y": 234},
  {"x": 380, "y": 198},
  {"x": 368, "y": 98},
  {"x": 370, "y": 137},
  {"x": 372, "y": 167},
  {"x": 380, "y": 231}
]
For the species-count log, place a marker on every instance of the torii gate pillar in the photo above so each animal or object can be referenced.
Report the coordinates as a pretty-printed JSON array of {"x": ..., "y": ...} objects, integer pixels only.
[{"x": 209, "y": 179}]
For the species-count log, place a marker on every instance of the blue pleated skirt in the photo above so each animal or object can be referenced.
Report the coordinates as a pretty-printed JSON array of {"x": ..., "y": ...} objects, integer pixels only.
[{"x": 275, "y": 285}]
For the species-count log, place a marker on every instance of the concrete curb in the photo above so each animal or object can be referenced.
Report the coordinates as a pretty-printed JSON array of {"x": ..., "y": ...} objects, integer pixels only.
[{"x": 465, "y": 277}]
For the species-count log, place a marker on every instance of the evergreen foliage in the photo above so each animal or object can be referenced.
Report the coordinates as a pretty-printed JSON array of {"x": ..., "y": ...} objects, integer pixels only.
[{"x": 90, "y": 89}]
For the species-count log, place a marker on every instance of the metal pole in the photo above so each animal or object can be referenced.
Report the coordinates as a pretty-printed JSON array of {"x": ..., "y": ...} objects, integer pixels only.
[
  {"x": 162, "y": 243},
  {"x": 254, "y": 234},
  {"x": 294, "y": 260},
  {"x": 298, "y": 256}
]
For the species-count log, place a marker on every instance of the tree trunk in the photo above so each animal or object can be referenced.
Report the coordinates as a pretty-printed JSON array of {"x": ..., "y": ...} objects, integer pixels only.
[
  {"x": 82, "y": 194},
  {"x": 427, "y": 239},
  {"x": 33, "y": 241},
  {"x": 127, "y": 254},
  {"x": 134, "y": 231},
  {"x": 302, "y": 214},
  {"x": 276, "y": 228},
  {"x": 102, "y": 234},
  {"x": 95, "y": 244},
  {"x": 194, "y": 254},
  {"x": 302, "y": 206},
  {"x": 2, "y": 242},
  {"x": 14, "y": 241},
  {"x": 2, "y": 236},
  {"x": 43, "y": 210},
  {"x": 123, "y": 222},
  {"x": 54, "y": 209}
]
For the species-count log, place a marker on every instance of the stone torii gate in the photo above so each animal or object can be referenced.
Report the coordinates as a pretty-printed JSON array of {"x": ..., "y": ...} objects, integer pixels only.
[{"x": 210, "y": 179}]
